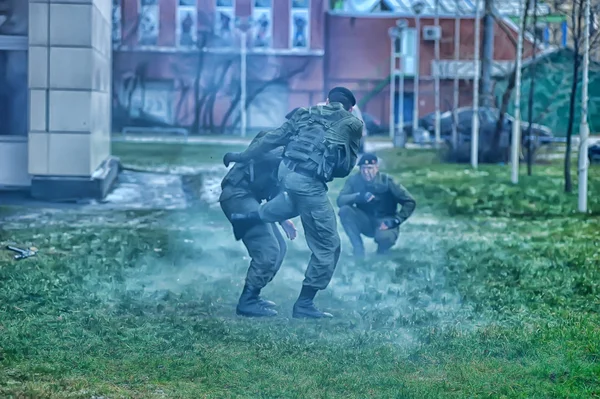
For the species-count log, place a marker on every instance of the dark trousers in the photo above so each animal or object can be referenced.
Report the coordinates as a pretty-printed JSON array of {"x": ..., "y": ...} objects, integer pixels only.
[
  {"x": 264, "y": 242},
  {"x": 356, "y": 223}
]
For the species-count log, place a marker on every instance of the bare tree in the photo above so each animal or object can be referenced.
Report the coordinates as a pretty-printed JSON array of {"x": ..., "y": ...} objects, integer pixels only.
[
  {"x": 283, "y": 76},
  {"x": 576, "y": 22},
  {"x": 493, "y": 150},
  {"x": 574, "y": 10}
]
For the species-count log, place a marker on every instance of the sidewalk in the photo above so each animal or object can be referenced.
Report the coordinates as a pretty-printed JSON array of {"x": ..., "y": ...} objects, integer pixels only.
[{"x": 377, "y": 144}]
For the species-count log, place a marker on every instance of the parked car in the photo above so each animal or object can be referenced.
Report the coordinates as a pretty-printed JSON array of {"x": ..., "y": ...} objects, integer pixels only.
[
  {"x": 594, "y": 153},
  {"x": 488, "y": 119},
  {"x": 373, "y": 125}
]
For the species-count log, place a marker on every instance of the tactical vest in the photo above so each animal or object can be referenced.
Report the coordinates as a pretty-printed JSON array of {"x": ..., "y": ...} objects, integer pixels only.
[
  {"x": 318, "y": 148},
  {"x": 384, "y": 204},
  {"x": 262, "y": 179},
  {"x": 258, "y": 178}
]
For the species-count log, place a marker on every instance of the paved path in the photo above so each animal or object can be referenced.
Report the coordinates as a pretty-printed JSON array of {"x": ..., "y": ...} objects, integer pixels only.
[{"x": 226, "y": 140}]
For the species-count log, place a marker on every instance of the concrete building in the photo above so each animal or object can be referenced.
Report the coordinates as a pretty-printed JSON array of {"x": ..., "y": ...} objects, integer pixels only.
[{"x": 55, "y": 94}]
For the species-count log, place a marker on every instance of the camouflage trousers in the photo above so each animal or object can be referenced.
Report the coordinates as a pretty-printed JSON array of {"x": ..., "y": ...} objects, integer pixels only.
[
  {"x": 264, "y": 242},
  {"x": 304, "y": 196},
  {"x": 356, "y": 223}
]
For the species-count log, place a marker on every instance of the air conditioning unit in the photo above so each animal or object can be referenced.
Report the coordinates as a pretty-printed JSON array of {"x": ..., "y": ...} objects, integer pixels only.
[{"x": 432, "y": 33}]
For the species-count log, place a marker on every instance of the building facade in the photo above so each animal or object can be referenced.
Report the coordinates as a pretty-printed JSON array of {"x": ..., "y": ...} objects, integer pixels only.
[
  {"x": 55, "y": 102},
  {"x": 67, "y": 69},
  {"x": 297, "y": 50}
]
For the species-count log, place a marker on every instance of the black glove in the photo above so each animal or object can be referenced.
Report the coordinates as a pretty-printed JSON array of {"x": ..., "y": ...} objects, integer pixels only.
[
  {"x": 363, "y": 197},
  {"x": 230, "y": 157},
  {"x": 392, "y": 223}
]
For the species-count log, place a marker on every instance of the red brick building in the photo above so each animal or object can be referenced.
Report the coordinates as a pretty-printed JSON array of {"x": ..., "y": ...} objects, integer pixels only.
[{"x": 178, "y": 62}]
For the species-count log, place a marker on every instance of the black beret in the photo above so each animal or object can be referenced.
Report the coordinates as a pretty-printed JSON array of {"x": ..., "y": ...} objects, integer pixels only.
[
  {"x": 345, "y": 92},
  {"x": 368, "y": 159},
  {"x": 291, "y": 113}
]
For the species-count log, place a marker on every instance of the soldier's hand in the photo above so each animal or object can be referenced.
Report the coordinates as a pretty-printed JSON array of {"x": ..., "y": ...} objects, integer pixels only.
[
  {"x": 230, "y": 157},
  {"x": 365, "y": 197},
  {"x": 390, "y": 224},
  {"x": 289, "y": 229}
]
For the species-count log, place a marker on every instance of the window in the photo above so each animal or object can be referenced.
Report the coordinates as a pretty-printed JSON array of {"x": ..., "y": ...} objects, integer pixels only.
[
  {"x": 116, "y": 22},
  {"x": 148, "y": 23},
  {"x": 300, "y": 25},
  {"x": 409, "y": 51},
  {"x": 224, "y": 21},
  {"x": 13, "y": 92},
  {"x": 187, "y": 19},
  {"x": 262, "y": 23}
]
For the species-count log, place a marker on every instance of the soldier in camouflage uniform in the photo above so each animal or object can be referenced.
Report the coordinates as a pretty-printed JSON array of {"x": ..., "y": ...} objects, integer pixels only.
[
  {"x": 368, "y": 206},
  {"x": 321, "y": 143},
  {"x": 243, "y": 189}
]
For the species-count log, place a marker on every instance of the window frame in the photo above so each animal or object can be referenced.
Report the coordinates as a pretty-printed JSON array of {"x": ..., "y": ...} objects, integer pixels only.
[
  {"x": 291, "y": 26},
  {"x": 254, "y": 26},
  {"x": 139, "y": 21},
  {"x": 178, "y": 30},
  {"x": 218, "y": 9}
]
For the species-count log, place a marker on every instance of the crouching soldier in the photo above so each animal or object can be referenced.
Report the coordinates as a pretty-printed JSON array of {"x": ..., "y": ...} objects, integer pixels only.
[
  {"x": 243, "y": 189},
  {"x": 368, "y": 206}
]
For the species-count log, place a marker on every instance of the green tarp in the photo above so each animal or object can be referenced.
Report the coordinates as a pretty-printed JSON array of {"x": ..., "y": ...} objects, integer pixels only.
[{"x": 553, "y": 80}]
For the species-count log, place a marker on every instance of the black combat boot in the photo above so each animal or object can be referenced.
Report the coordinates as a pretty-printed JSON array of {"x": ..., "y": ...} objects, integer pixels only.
[
  {"x": 250, "y": 305},
  {"x": 266, "y": 303},
  {"x": 249, "y": 216},
  {"x": 304, "y": 308}
]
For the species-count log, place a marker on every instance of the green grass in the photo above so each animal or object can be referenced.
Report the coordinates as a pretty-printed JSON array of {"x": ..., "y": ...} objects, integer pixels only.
[{"x": 494, "y": 298}]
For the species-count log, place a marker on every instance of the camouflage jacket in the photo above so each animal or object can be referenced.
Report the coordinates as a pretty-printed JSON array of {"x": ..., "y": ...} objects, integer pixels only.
[
  {"x": 388, "y": 194},
  {"x": 347, "y": 132},
  {"x": 256, "y": 178}
]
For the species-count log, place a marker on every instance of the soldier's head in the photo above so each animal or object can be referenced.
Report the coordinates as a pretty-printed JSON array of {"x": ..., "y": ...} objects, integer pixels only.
[
  {"x": 369, "y": 166},
  {"x": 343, "y": 96}
]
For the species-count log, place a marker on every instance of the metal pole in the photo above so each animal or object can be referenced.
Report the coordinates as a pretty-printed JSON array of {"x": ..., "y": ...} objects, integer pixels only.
[
  {"x": 401, "y": 24},
  {"x": 438, "y": 137},
  {"x": 243, "y": 79},
  {"x": 416, "y": 80},
  {"x": 516, "y": 129},
  {"x": 456, "y": 83},
  {"x": 401, "y": 89},
  {"x": 584, "y": 129},
  {"x": 392, "y": 85},
  {"x": 477, "y": 74}
]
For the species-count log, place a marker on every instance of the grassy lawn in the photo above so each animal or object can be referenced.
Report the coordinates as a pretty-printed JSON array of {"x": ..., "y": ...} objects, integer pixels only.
[{"x": 492, "y": 291}]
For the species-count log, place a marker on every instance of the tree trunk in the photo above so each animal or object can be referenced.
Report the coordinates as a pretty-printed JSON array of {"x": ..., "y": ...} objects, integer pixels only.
[
  {"x": 202, "y": 39},
  {"x": 576, "y": 23},
  {"x": 506, "y": 97},
  {"x": 573, "y": 96},
  {"x": 487, "y": 96},
  {"x": 531, "y": 94},
  {"x": 217, "y": 84}
]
